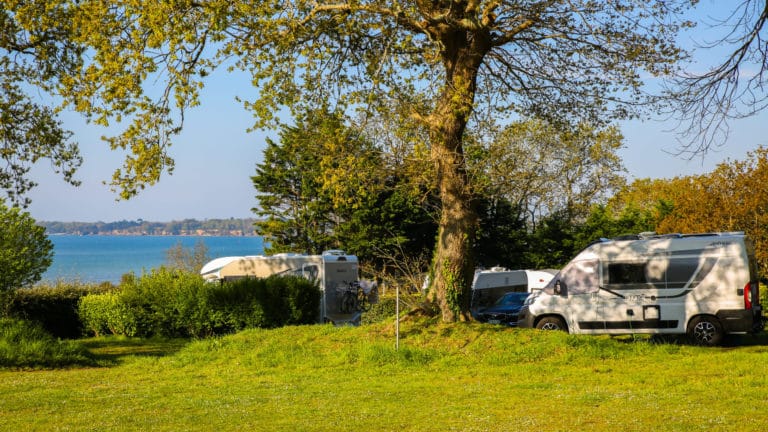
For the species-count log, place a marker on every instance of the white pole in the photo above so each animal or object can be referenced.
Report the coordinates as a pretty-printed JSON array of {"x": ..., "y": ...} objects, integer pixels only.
[{"x": 397, "y": 318}]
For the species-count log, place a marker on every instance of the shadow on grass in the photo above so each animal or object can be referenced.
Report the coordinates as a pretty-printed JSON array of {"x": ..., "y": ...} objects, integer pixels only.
[
  {"x": 113, "y": 351},
  {"x": 729, "y": 341}
]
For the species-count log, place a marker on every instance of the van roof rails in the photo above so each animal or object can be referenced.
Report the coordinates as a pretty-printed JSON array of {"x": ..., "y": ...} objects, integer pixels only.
[
  {"x": 663, "y": 236},
  {"x": 628, "y": 237},
  {"x": 721, "y": 233},
  {"x": 646, "y": 235}
]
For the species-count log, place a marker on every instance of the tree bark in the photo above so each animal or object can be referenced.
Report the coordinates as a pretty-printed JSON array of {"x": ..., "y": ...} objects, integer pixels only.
[{"x": 453, "y": 263}]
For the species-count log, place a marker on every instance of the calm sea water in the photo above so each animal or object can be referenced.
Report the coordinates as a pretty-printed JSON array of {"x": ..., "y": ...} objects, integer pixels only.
[{"x": 107, "y": 258}]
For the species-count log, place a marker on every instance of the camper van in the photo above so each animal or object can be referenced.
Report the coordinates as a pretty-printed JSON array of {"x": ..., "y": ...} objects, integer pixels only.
[
  {"x": 702, "y": 285},
  {"x": 490, "y": 285},
  {"x": 335, "y": 272}
]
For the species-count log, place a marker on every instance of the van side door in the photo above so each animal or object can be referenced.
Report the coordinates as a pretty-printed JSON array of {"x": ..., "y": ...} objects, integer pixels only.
[{"x": 631, "y": 296}]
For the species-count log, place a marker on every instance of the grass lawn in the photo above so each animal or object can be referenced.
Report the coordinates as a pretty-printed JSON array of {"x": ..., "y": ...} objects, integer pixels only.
[{"x": 462, "y": 377}]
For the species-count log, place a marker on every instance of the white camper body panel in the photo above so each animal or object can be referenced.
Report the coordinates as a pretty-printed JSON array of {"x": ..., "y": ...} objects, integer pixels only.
[
  {"x": 333, "y": 271},
  {"x": 658, "y": 284},
  {"x": 489, "y": 285}
]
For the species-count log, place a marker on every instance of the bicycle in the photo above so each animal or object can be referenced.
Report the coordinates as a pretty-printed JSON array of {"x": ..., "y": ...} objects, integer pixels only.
[{"x": 353, "y": 298}]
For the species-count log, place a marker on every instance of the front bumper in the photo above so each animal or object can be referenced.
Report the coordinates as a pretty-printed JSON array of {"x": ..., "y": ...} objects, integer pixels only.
[
  {"x": 498, "y": 318},
  {"x": 524, "y": 318}
]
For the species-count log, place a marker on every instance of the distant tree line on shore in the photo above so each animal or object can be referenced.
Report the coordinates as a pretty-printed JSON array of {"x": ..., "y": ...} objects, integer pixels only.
[{"x": 242, "y": 227}]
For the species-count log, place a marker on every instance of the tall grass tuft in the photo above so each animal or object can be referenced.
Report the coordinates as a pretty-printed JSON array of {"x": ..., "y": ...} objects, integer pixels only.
[{"x": 24, "y": 344}]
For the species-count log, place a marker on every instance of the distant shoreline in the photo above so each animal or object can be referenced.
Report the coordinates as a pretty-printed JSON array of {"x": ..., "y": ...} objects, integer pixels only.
[
  {"x": 152, "y": 235},
  {"x": 187, "y": 227}
]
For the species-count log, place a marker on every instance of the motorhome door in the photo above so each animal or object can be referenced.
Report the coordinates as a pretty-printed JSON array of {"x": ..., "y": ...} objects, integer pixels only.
[{"x": 577, "y": 286}]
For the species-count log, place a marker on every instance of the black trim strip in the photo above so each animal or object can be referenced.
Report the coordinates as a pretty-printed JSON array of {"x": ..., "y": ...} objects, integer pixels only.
[
  {"x": 628, "y": 325},
  {"x": 612, "y": 292}
]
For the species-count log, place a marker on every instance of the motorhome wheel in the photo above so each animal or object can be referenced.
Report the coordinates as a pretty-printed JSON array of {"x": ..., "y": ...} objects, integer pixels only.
[
  {"x": 551, "y": 323},
  {"x": 704, "y": 330}
]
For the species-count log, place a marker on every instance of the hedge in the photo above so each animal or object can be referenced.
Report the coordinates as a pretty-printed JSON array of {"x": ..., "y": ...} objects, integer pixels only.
[{"x": 172, "y": 303}]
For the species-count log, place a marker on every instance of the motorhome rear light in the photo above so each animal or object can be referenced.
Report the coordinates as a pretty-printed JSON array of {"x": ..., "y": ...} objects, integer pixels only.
[{"x": 748, "y": 296}]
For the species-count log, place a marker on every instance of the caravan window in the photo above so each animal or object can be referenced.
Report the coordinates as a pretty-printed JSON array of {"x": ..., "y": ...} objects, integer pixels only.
[{"x": 310, "y": 272}]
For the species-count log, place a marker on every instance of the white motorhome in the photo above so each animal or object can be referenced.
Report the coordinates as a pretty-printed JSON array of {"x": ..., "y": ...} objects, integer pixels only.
[
  {"x": 703, "y": 285},
  {"x": 490, "y": 285},
  {"x": 335, "y": 272}
]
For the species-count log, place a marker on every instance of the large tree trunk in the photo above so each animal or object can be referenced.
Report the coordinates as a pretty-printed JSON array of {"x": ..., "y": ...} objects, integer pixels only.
[{"x": 453, "y": 264}]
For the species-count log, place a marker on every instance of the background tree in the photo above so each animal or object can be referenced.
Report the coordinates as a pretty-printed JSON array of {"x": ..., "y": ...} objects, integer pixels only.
[
  {"x": 733, "y": 197},
  {"x": 561, "y": 60},
  {"x": 502, "y": 238},
  {"x": 189, "y": 260},
  {"x": 325, "y": 185},
  {"x": 298, "y": 214},
  {"x": 25, "y": 252},
  {"x": 546, "y": 168}
]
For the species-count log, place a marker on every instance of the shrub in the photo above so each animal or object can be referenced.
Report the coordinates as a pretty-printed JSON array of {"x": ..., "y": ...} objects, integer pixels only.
[
  {"x": 55, "y": 307},
  {"x": 386, "y": 309},
  {"x": 103, "y": 314},
  {"x": 383, "y": 310},
  {"x": 173, "y": 303},
  {"x": 166, "y": 302},
  {"x": 272, "y": 302},
  {"x": 24, "y": 344}
]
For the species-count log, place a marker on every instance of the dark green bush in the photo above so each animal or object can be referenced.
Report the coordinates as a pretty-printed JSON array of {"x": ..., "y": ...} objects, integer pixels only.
[
  {"x": 25, "y": 344},
  {"x": 173, "y": 303},
  {"x": 55, "y": 307}
]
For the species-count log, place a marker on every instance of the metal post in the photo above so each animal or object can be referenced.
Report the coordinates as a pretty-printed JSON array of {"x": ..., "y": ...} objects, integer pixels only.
[{"x": 397, "y": 318}]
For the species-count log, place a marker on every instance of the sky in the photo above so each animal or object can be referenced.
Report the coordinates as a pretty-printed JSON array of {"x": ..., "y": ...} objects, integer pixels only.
[{"x": 216, "y": 157}]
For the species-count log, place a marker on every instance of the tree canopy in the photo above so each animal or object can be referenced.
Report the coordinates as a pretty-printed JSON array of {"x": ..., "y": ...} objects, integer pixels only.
[
  {"x": 566, "y": 61},
  {"x": 34, "y": 52}
]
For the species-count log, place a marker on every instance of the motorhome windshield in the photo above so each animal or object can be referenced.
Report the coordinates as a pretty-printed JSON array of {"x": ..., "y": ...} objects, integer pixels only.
[{"x": 579, "y": 276}]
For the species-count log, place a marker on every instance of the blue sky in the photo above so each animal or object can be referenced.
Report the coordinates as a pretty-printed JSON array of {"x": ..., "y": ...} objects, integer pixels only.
[{"x": 215, "y": 158}]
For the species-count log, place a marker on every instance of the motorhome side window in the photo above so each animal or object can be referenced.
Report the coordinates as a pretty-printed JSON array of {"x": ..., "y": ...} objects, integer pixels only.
[{"x": 655, "y": 273}]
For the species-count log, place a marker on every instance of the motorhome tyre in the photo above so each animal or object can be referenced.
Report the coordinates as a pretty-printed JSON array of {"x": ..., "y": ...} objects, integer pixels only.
[
  {"x": 705, "y": 330},
  {"x": 551, "y": 323}
]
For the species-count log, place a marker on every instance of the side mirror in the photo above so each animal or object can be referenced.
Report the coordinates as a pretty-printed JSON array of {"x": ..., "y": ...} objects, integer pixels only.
[{"x": 561, "y": 288}]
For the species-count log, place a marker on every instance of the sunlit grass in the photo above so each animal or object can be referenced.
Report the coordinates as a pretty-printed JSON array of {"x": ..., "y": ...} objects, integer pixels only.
[{"x": 465, "y": 377}]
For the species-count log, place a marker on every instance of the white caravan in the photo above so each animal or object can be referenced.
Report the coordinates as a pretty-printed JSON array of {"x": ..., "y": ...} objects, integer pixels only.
[
  {"x": 489, "y": 285},
  {"x": 335, "y": 272},
  {"x": 703, "y": 285}
]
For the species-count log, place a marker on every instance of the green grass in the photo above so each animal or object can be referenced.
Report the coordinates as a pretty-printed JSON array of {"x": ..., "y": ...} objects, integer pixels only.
[{"x": 463, "y": 377}]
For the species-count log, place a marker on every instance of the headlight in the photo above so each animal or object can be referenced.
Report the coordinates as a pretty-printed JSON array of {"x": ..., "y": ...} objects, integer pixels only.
[{"x": 530, "y": 299}]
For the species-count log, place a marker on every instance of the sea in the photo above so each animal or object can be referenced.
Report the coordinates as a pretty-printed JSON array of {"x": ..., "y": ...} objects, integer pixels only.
[{"x": 105, "y": 258}]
